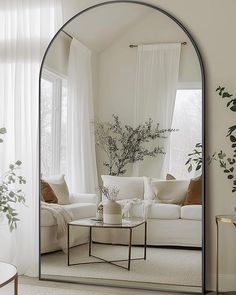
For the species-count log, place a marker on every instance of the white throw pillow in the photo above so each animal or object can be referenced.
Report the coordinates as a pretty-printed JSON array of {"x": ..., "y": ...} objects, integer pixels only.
[
  {"x": 60, "y": 188},
  {"x": 129, "y": 187},
  {"x": 169, "y": 191}
]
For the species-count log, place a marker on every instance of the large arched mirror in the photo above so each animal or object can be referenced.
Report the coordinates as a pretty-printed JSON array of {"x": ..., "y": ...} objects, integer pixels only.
[{"x": 121, "y": 202}]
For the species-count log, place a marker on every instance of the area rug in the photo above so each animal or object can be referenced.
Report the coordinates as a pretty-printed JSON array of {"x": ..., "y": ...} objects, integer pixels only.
[
  {"x": 163, "y": 266},
  {"x": 36, "y": 290}
]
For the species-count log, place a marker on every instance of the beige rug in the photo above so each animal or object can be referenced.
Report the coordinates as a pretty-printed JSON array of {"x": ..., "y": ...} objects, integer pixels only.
[
  {"x": 36, "y": 290},
  {"x": 163, "y": 266}
]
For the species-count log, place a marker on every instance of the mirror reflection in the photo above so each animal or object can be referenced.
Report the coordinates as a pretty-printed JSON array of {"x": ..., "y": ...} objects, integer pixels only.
[{"x": 121, "y": 138}]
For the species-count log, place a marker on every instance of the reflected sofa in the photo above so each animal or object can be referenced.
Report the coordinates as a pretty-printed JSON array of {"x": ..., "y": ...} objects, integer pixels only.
[{"x": 169, "y": 222}]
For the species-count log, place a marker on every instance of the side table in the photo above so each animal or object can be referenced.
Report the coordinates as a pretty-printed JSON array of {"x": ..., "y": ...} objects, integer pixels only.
[
  {"x": 8, "y": 273},
  {"x": 224, "y": 219}
]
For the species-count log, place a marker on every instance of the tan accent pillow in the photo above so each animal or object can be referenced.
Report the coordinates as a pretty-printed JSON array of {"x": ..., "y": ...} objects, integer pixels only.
[
  {"x": 194, "y": 193},
  {"x": 170, "y": 177},
  {"x": 60, "y": 188},
  {"x": 46, "y": 193}
]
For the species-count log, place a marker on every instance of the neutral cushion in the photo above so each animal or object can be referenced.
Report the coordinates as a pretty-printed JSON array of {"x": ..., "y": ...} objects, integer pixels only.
[
  {"x": 81, "y": 210},
  {"x": 46, "y": 193},
  {"x": 129, "y": 187},
  {"x": 194, "y": 192},
  {"x": 169, "y": 191},
  {"x": 164, "y": 211},
  {"x": 158, "y": 211},
  {"x": 191, "y": 212},
  {"x": 59, "y": 186}
]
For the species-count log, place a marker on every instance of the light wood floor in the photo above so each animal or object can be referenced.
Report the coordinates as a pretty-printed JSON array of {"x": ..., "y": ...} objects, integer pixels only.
[{"x": 115, "y": 291}]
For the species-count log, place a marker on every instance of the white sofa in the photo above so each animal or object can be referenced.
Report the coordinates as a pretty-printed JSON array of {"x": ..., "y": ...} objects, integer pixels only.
[
  {"x": 81, "y": 206},
  {"x": 168, "y": 224}
]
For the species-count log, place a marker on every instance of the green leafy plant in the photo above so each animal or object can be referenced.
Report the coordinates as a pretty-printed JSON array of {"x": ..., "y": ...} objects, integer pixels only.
[
  {"x": 124, "y": 145},
  {"x": 10, "y": 193},
  {"x": 195, "y": 158},
  {"x": 227, "y": 163}
]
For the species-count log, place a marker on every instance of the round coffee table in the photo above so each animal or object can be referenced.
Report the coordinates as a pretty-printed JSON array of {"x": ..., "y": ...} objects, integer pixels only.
[{"x": 8, "y": 273}]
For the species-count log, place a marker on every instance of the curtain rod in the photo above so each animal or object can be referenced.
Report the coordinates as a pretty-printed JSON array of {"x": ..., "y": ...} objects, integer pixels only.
[
  {"x": 136, "y": 45},
  {"x": 67, "y": 34}
]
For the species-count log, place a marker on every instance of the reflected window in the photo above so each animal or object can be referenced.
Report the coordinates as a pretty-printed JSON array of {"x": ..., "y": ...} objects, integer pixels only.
[
  {"x": 53, "y": 124},
  {"x": 188, "y": 119}
]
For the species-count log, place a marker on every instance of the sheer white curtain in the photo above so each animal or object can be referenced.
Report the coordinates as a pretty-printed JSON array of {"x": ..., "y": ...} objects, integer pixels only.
[
  {"x": 26, "y": 28},
  {"x": 82, "y": 170},
  {"x": 156, "y": 84}
]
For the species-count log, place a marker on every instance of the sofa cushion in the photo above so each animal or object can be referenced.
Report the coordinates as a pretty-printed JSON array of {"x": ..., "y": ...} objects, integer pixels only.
[
  {"x": 158, "y": 211},
  {"x": 129, "y": 187},
  {"x": 168, "y": 191},
  {"x": 81, "y": 210},
  {"x": 164, "y": 211},
  {"x": 59, "y": 186},
  {"x": 191, "y": 212},
  {"x": 46, "y": 192},
  {"x": 194, "y": 192}
]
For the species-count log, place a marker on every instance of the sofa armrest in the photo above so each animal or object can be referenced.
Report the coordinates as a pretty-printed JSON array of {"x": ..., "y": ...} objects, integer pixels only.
[{"x": 84, "y": 198}]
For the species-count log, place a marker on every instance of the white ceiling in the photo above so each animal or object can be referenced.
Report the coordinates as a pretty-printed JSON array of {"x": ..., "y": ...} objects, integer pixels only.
[{"x": 99, "y": 27}]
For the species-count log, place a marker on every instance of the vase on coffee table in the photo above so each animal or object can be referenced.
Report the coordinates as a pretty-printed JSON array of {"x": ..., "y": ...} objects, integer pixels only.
[{"x": 112, "y": 212}]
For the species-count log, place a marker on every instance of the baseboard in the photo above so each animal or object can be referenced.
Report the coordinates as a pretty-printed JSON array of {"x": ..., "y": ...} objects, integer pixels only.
[{"x": 227, "y": 282}]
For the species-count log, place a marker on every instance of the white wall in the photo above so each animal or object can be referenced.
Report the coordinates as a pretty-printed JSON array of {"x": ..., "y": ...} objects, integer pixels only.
[
  {"x": 212, "y": 24},
  {"x": 117, "y": 72},
  {"x": 58, "y": 54}
]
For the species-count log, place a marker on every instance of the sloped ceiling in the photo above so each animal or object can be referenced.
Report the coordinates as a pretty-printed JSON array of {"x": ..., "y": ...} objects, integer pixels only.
[{"x": 99, "y": 27}]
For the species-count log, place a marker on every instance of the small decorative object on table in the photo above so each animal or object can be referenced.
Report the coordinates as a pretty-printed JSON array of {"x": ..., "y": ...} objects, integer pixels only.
[
  {"x": 99, "y": 214},
  {"x": 112, "y": 210}
]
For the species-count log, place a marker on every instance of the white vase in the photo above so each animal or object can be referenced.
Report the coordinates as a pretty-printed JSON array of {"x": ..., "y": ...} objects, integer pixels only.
[{"x": 112, "y": 212}]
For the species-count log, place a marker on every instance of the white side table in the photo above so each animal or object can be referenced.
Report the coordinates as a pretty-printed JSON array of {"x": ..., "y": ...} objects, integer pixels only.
[{"x": 8, "y": 273}]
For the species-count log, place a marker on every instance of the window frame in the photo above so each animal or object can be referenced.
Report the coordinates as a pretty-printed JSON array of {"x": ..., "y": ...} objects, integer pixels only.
[{"x": 57, "y": 84}]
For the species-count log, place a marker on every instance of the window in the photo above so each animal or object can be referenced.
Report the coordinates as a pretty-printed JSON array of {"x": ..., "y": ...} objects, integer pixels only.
[
  {"x": 53, "y": 124},
  {"x": 188, "y": 119}
]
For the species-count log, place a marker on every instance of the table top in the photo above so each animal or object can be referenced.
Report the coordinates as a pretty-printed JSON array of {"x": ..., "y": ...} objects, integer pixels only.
[
  {"x": 92, "y": 222},
  {"x": 8, "y": 273},
  {"x": 226, "y": 218}
]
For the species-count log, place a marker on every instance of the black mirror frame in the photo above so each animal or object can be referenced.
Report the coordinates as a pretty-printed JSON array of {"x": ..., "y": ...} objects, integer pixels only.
[{"x": 203, "y": 119}]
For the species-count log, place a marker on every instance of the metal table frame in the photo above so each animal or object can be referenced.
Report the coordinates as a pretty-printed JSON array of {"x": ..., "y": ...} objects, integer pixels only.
[
  {"x": 102, "y": 260},
  {"x": 13, "y": 278},
  {"x": 224, "y": 219}
]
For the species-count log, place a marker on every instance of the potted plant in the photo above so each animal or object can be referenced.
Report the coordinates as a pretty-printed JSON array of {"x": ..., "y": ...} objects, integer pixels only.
[
  {"x": 111, "y": 209},
  {"x": 124, "y": 145}
]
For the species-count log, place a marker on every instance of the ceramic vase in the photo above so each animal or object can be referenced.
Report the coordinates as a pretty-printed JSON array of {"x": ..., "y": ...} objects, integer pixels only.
[{"x": 112, "y": 212}]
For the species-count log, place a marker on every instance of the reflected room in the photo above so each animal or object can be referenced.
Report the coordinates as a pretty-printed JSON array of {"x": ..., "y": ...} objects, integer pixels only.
[{"x": 121, "y": 152}]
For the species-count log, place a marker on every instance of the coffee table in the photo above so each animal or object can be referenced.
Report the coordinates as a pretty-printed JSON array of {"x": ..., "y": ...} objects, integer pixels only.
[
  {"x": 8, "y": 273},
  {"x": 127, "y": 224}
]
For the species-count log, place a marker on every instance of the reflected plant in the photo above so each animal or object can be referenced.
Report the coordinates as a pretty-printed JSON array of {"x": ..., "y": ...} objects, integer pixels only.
[
  {"x": 227, "y": 163},
  {"x": 10, "y": 193},
  {"x": 124, "y": 145},
  {"x": 194, "y": 161}
]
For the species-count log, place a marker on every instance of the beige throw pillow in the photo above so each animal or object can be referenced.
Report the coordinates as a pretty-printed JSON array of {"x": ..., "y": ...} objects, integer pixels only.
[
  {"x": 59, "y": 186},
  {"x": 169, "y": 191},
  {"x": 46, "y": 193},
  {"x": 194, "y": 193}
]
